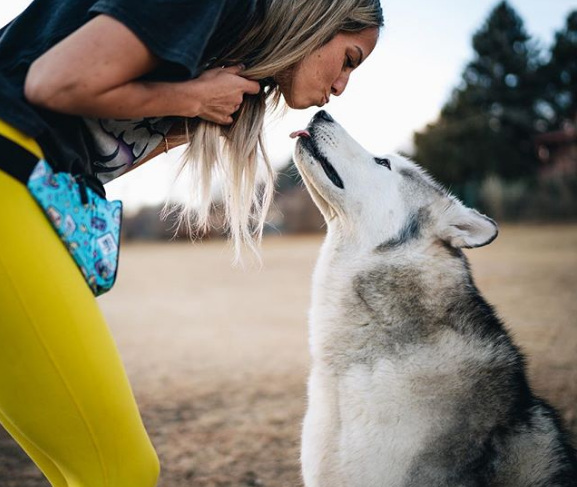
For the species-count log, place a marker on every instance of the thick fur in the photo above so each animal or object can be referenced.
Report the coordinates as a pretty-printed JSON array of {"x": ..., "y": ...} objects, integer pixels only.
[{"x": 414, "y": 381}]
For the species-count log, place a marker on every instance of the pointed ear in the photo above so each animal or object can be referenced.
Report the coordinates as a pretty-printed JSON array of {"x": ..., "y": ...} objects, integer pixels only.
[{"x": 462, "y": 227}]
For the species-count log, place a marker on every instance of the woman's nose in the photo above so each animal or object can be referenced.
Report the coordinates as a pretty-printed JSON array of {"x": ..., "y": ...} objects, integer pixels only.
[{"x": 340, "y": 84}]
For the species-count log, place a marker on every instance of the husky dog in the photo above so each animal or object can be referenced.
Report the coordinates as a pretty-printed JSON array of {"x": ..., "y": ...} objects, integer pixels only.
[{"x": 415, "y": 382}]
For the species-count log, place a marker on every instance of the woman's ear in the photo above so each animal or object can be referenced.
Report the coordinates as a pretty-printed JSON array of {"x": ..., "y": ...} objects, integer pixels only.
[{"x": 462, "y": 227}]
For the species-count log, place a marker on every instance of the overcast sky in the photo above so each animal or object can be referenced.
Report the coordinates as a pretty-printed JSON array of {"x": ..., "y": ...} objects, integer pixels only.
[{"x": 401, "y": 87}]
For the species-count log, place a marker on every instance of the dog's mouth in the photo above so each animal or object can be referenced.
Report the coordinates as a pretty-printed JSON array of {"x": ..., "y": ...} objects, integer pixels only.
[{"x": 306, "y": 139}]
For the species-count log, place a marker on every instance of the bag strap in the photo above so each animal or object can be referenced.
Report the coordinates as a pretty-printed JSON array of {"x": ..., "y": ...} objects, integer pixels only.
[
  {"x": 20, "y": 138},
  {"x": 15, "y": 160}
]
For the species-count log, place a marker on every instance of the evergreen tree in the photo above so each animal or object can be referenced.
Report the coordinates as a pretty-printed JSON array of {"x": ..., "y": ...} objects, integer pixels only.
[
  {"x": 559, "y": 77},
  {"x": 487, "y": 126}
]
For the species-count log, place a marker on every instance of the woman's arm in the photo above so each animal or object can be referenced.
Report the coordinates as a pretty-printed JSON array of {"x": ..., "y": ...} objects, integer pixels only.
[
  {"x": 92, "y": 71},
  {"x": 174, "y": 138}
]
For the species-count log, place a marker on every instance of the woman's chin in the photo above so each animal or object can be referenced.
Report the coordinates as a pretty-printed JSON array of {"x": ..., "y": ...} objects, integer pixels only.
[
  {"x": 302, "y": 104},
  {"x": 299, "y": 102}
]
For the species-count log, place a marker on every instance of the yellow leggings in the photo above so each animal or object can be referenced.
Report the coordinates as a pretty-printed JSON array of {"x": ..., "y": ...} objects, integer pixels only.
[{"x": 64, "y": 394}]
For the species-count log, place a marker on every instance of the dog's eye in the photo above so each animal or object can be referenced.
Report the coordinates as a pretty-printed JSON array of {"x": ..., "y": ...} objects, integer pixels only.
[{"x": 383, "y": 162}]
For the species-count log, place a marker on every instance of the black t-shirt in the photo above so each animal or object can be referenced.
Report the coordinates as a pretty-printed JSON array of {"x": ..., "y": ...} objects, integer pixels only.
[{"x": 184, "y": 34}]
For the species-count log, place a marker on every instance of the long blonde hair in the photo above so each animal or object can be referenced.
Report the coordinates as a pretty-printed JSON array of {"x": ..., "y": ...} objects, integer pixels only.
[{"x": 282, "y": 33}]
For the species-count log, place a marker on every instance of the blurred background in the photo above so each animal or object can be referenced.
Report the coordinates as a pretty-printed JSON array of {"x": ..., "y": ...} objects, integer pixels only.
[{"x": 484, "y": 95}]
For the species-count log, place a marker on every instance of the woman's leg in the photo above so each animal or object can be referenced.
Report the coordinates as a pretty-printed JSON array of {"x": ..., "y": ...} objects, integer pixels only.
[{"x": 64, "y": 394}]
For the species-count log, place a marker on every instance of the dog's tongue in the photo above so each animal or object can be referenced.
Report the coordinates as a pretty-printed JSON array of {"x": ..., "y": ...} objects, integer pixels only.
[{"x": 300, "y": 133}]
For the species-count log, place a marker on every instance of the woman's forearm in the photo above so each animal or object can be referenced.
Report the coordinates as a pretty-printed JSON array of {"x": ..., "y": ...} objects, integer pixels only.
[
  {"x": 131, "y": 100},
  {"x": 174, "y": 138},
  {"x": 215, "y": 95}
]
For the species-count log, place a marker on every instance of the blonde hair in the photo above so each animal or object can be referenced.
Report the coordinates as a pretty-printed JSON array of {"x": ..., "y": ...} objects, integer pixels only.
[{"x": 282, "y": 33}]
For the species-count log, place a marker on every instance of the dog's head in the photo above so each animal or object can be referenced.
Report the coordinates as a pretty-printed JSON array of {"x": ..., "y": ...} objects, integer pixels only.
[{"x": 382, "y": 201}]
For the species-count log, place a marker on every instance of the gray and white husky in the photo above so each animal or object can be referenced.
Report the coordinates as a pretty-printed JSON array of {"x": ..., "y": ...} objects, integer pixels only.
[{"x": 415, "y": 382}]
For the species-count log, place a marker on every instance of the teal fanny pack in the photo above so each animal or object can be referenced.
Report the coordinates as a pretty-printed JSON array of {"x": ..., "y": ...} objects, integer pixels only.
[{"x": 88, "y": 224}]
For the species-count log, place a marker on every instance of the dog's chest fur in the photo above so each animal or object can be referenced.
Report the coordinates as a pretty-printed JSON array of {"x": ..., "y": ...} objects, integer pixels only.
[{"x": 387, "y": 370}]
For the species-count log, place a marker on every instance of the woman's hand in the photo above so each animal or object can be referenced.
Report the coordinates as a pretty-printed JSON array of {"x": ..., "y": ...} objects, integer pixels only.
[{"x": 218, "y": 93}]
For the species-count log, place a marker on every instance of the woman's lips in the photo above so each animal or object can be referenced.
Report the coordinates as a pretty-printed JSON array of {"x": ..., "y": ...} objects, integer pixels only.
[{"x": 301, "y": 133}]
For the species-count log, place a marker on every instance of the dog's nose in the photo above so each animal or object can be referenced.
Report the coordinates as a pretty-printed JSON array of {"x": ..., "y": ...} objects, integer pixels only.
[{"x": 322, "y": 115}]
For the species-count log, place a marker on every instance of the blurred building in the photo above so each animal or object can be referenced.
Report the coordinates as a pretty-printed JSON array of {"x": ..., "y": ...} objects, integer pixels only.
[{"x": 558, "y": 152}]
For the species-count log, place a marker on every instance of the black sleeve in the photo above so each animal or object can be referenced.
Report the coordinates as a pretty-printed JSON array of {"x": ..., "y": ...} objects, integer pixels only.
[{"x": 177, "y": 31}]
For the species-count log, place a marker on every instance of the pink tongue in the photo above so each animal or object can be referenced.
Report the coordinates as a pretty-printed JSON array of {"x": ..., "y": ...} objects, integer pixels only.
[{"x": 300, "y": 133}]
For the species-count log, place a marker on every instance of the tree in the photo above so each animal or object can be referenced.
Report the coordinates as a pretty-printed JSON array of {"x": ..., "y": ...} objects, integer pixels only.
[
  {"x": 559, "y": 77},
  {"x": 487, "y": 126}
]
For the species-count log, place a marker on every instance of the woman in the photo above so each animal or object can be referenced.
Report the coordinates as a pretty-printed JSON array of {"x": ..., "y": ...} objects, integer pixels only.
[{"x": 97, "y": 88}]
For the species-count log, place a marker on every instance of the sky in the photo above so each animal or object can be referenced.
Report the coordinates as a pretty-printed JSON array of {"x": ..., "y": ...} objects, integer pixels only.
[{"x": 401, "y": 87}]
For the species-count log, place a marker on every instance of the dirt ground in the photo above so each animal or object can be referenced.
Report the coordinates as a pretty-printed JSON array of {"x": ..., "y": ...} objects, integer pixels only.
[{"x": 218, "y": 356}]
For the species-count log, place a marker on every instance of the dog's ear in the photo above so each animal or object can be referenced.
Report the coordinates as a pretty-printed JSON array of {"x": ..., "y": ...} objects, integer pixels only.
[{"x": 463, "y": 227}]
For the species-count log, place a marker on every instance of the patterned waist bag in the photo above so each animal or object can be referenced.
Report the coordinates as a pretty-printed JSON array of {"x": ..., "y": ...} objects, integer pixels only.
[{"x": 76, "y": 206}]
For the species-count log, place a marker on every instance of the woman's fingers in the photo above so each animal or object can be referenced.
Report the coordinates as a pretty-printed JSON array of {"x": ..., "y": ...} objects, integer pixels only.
[
  {"x": 221, "y": 115},
  {"x": 223, "y": 120},
  {"x": 222, "y": 92},
  {"x": 252, "y": 87},
  {"x": 248, "y": 86}
]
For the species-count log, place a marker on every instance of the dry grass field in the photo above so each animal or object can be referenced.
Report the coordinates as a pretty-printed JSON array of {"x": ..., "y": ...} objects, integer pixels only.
[{"x": 218, "y": 356}]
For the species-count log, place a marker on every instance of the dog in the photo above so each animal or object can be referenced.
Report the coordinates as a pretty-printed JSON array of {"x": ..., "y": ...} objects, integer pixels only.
[{"x": 414, "y": 381}]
